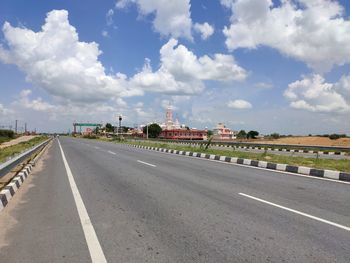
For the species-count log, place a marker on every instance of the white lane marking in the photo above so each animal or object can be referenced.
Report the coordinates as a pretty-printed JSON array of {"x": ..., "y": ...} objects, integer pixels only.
[
  {"x": 297, "y": 212},
  {"x": 112, "y": 152},
  {"x": 146, "y": 163},
  {"x": 96, "y": 252},
  {"x": 96, "y": 147}
]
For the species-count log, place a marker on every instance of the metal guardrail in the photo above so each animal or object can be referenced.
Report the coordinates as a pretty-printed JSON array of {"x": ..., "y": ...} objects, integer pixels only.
[
  {"x": 249, "y": 144},
  {"x": 13, "y": 162}
]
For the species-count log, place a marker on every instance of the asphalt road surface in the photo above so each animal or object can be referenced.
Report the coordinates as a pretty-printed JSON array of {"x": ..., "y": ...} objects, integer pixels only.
[{"x": 91, "y": 201}]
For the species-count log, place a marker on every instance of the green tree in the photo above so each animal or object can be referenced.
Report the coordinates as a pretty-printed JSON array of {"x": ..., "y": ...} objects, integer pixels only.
[
  {"x": 210, "y": 133},
  {"x": 252, "y": 134},
  {"x": 275, "y": 135},
  {"x": 109, "y": 127},
  {"x": 242, "y": 134},
  {"x": 334, "y": 136},
  {"x": 153, "y": 130}
]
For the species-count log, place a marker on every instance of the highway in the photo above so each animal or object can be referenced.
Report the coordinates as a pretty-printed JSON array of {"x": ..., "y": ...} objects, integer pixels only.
[{"x": 93, "y": 201}]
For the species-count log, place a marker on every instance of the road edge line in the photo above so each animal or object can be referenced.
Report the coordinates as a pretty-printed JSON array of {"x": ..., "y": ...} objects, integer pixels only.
[{"x": 94, "y": 246}]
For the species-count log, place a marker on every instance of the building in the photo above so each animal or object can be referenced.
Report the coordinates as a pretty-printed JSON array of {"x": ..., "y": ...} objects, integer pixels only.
[
  {"x": 169, "y": 124},
  {"x": 174, "y": 131},
  {"x": 222, "y": 133},
  {"x": 184, "y": 134}
]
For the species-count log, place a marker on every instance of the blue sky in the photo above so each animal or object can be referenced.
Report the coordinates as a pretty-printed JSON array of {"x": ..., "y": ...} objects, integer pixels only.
[{"x": 252, "y": 64}]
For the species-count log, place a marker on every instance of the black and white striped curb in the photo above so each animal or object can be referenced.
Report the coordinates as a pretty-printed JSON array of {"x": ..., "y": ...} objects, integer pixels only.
[
  {"x": 271, "y": 149},
  {"x": 335, "y": 175},
  {"x": 9, "y": 191},
  {"x": 11, "y": 188}
]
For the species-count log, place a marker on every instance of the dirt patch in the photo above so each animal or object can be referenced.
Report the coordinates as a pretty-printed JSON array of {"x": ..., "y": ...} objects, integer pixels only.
[
  {"x": 17, "y": 141},
  {"x": 312, "y": 140}
]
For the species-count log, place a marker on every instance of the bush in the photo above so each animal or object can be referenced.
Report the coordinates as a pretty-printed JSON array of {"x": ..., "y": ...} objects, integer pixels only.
[
  {"x": 90, "y": 136},
  {"x": 7, "y": 133},
  {"x": 334, "y": 136},
  {"x": 275, "y": 135}
]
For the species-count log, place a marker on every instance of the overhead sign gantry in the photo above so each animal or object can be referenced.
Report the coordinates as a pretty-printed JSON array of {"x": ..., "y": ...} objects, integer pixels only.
[{"x": 86, "y": 124}]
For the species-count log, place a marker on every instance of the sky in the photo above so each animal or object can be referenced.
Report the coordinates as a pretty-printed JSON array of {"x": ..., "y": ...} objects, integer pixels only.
[{"x": 272, "y": 66}]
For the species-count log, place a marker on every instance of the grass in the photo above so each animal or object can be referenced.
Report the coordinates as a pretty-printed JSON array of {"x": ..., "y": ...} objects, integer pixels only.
[
  {"x": 330, "y": 164},
  {"x": 254, "y": 144},
  {"x": 5, "y": 139},
  {"x": 20, "y": 147}
]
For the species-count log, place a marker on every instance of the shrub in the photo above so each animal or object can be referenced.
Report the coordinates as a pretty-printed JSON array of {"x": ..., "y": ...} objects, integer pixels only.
[
  {"x": 334, "y": 136},
  {"x": 90, "y": 136},
  {"x": 7, "y": 133},
  {"x": 275, "y": 135}
]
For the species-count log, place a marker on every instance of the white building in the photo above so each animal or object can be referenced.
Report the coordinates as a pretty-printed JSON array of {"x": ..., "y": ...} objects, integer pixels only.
[{"x": 220, "y": 132}]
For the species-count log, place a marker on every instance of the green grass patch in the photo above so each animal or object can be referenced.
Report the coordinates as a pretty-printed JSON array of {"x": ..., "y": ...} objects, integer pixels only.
[
  {"x": 20, "y": 147},
  {"x": 4, "y": 139},
  {"x": 330, "y": 164}
]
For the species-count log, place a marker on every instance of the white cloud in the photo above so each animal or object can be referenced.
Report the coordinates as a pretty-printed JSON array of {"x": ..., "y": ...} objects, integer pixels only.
[
  {"x": 4, "y": 111},
  {"x": 263, "y": 85},
  {"x": 315, "y": 32},
  {"x": 37, "y": 104},
  {"x": 182, "y": 72},
  {"x": 239, "y": 104},
  {"x": 109, "y": 17},
  {"x": 57, "y": 61},
  {"x": 204, "y": 29},
  {"x": 312, "y": 93},
  {"x": 171, "y": 18},
  {"x": 105, "y": 33}
]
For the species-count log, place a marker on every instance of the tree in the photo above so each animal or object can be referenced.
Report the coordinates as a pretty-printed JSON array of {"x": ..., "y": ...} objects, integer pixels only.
[
  {"x": 252, "y": 134},
  {"x": 153, "y": 130},
  {"x": 334, "y": 136},
  {"x": 210, "y": 133},
  {"x": 109, "y": 127},
  {"x": 275, "y": 135},
  {"x": 242, "y": 134}
]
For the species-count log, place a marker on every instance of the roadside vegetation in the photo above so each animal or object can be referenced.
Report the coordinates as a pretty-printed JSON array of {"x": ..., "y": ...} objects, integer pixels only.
[
  {"x": 331, "y": 164},
  {"x": 13, "y": 150},
  {"x": 6, "y": 135}
]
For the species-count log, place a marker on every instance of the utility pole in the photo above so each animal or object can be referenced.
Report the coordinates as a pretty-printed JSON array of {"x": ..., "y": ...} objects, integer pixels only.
[
  {"x": 16, "y": 127},
  {"x": 120, "y": 122},
  {"x": 25, "y": 127},
  {"x": 147, "y": 130}
]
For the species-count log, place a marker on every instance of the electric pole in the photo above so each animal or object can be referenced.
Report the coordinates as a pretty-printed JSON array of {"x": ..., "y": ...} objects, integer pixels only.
[{"x": 16, "y": 127}]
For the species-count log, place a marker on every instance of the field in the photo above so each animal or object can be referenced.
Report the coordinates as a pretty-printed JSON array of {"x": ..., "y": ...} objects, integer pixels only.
[{"x": 308, "y": 140}]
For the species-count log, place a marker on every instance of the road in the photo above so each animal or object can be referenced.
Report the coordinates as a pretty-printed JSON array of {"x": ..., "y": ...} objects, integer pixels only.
[{"x": 135, "y": 205}]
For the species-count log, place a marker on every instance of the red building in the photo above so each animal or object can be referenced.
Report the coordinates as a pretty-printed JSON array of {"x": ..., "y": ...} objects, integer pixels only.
[{"x": 183, "y": 134}]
